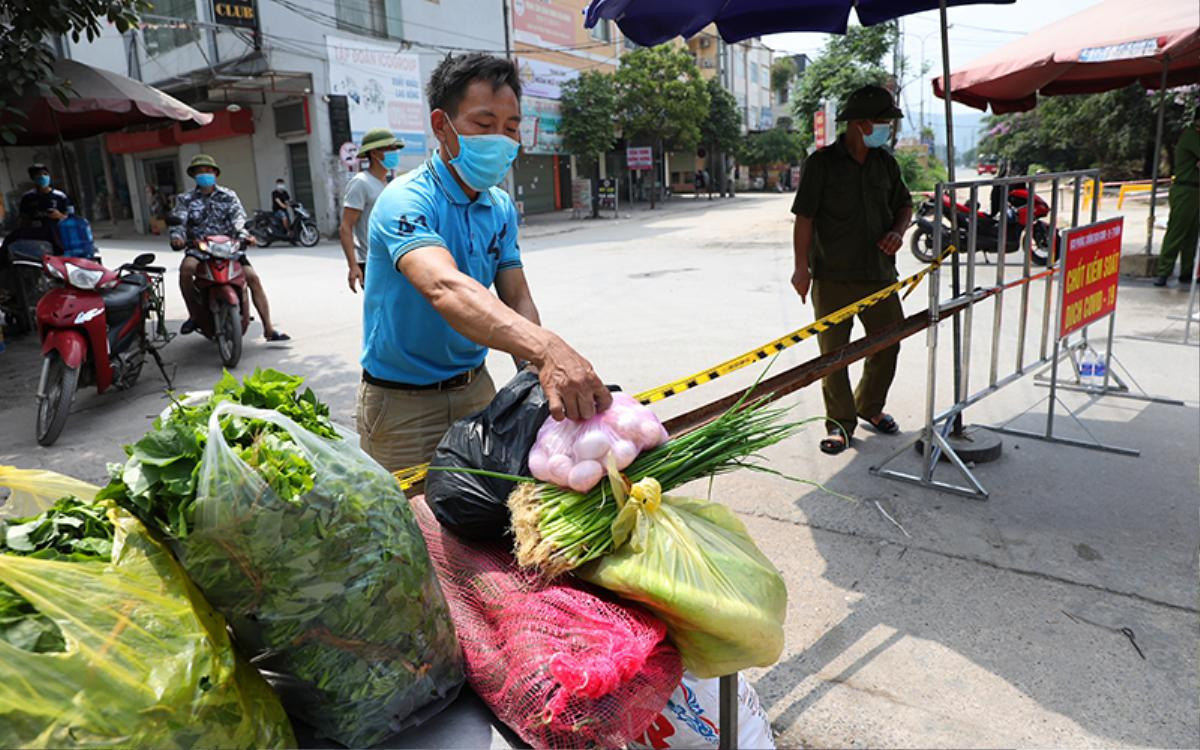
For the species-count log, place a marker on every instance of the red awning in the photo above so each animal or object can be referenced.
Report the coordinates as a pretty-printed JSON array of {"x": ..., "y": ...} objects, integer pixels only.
[{"x": 1105, "y": 47}]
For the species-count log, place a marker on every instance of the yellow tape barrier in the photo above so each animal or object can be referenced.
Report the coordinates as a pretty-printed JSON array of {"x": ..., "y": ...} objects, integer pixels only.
[{"x": 414, "y": 474}]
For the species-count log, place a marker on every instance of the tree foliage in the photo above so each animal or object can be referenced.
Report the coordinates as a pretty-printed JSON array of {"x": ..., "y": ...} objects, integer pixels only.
[
  {"x": 783, "y": 72},
  {"x": 720, "y": 130},
  {"x": 25, "y": 56},
  {"x": 661, "y": 96},
  {"x": 589, "y": 111},
  {"x": 774, "y": 146},
  {"x": 1113, "y": 131},
  {"x": 845, "y": 64}
]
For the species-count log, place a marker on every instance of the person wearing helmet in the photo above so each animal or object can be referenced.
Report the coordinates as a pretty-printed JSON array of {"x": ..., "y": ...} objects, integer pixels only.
[
  {"x": 382, "y": 150},
  {"x": 852, "y": 209},
  {"x": 212, "y": 209}
]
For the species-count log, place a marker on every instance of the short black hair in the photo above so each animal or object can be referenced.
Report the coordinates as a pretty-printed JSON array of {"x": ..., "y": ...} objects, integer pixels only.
[
  {"x": 454, "y": 75},
  {"x": 37, "y": 167}
]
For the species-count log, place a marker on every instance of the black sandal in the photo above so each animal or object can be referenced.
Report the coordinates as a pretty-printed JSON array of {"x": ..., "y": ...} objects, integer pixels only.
[
  {"x": 278, "y": 336},
  {"x": 834, "y": 443},
  {"x": 882, "y": 423}
]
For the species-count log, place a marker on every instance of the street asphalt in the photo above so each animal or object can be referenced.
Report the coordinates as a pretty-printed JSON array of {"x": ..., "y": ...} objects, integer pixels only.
[{"x": 916, "y": 618}]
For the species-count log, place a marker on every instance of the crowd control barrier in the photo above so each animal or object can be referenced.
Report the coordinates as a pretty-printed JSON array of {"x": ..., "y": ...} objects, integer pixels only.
[{"x": 1067, "y": 310}]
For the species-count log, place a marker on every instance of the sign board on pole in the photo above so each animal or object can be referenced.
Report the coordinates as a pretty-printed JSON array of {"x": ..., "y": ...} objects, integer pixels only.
[
  {"x": 819, "y": 128},
  {"x": 608, "y": 193},
  {"x": 639, "y": 157},
  {"x": 240, "y": 13},
  {"x": 1090, "y": 270}
]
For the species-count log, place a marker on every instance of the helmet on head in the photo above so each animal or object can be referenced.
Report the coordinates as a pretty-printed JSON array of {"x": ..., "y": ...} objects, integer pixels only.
[{"x": 202, "y": 160}]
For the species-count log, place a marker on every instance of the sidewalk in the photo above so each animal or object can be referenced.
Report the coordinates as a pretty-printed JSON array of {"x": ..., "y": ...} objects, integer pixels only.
[{"x": 563, "y": 222}]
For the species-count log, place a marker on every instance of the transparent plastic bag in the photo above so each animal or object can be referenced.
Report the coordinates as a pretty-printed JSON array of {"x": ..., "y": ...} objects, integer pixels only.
[
  {"x": 694, "y": 565},
  {"x": 333, "y": 597},
  {"x": 574, "y": 454},
  {"x": 148, "y": 663},
  {"x": 34, "y": 490}
]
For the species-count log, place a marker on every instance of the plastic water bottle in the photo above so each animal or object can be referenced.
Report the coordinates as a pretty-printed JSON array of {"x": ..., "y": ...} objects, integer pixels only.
[
  {"x": 1099, "y": 369},
  {"x": 1087, "y": 367}
]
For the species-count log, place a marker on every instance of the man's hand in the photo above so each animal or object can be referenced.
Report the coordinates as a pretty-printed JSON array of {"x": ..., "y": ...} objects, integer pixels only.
[
  {"x": 355, "y": 275},
  {"x": 572, "y": 387},
  {"x": 891, "y": 242},
  {"x": 250, "y": 241},
  {"x": 801, "y": 281},
  {"x": 55, "y": 214}
]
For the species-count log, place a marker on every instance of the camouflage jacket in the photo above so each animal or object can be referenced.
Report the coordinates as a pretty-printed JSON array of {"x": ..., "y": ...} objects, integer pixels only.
[{"x": 219, "y": 212}]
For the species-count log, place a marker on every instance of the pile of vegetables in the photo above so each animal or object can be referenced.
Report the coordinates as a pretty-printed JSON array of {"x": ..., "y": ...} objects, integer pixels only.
[
  {"x": 309, "y": 549},
  {"x": 104, "y": 642}
]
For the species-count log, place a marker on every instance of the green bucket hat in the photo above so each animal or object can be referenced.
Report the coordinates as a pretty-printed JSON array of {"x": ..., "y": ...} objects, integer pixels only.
[
  {"x": 870, "y": 103},
  {"x": 202, "y": 160},
  {"x": 379, "y": 138}
]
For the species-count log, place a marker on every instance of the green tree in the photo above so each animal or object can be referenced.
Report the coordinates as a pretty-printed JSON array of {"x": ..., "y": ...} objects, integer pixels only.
[
  {"x": 661, "y": 98},
  {"x": 774, "y": 146},
  {"x": 783, "y": 73},
  {"x": 588, "y": 127},
  {"x": 720, "y": 131},
  {"x": 846, "y": 63},
  {"x": 25, "y": 57}
]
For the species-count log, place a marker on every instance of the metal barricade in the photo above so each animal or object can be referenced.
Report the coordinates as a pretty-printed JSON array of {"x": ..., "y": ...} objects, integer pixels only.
[{"x": 935, "y": 439}]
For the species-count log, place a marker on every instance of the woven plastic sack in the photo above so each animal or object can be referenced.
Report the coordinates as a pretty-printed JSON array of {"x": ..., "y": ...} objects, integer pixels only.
[
  {"x": 334, "y": 598},
  {"x": 694, "y": 565},
  {"x": 31, "y": 491},
  {"x": 148, "y": 662},
  {"x": 692, "y": 718},
  {"x": 561, "y": 666}
]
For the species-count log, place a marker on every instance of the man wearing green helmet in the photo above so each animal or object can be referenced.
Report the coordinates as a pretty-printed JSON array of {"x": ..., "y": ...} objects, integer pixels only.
[
  {"x": 208, "y": 210},
  {"x": 382, "y": 150}
]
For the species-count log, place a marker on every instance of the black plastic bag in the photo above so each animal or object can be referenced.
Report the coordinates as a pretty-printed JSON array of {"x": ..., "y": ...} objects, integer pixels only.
[{"x": 498, "y": 438}]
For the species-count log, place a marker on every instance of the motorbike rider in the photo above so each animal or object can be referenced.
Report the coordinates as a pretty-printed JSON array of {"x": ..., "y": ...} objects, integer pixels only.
[
  {"x": 208, "y": 210},
  {"x": 42, "y": 208},
  {"x": 281, "y": 203}
]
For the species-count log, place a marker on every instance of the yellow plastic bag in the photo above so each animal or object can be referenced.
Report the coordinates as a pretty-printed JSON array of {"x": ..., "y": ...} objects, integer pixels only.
[
  {"x": 34, "y": 490},
  {"x": 694, "y": 565},
  {"x": 148, "y": 663}
]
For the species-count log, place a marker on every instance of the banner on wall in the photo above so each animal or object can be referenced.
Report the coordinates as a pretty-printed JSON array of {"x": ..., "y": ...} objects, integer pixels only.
[
  {"x": 382, "y": 89},
  {"x": 540, "y": 120},
  {"x": 543, "y": 79},
  {"x": 544, "y": 22}
]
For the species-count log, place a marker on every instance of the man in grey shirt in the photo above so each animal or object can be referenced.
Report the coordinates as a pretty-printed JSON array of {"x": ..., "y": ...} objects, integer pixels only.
[{"x": 381, "y": 148}]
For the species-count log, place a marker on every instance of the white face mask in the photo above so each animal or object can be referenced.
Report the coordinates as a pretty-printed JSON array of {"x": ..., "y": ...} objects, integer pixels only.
[{"x": 280, "y": 186}]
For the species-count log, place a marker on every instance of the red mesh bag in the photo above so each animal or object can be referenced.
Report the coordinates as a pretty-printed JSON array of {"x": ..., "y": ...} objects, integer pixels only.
[{"x": 561, "y": 666}]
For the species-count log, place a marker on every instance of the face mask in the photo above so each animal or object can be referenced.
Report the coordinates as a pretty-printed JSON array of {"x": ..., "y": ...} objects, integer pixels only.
[
  {"x": 280, "y": 186},
  {"x": 42, "y": 180},
  {"x": 483, "y": 160},
  {"x": 880, "y": 134},
  {"x": 390, "y": 159},
  {"x": 206, "y": 180}
]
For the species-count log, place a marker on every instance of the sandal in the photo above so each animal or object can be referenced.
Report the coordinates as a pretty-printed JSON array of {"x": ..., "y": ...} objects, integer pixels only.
[
  {"x": 834, "y": 443},
  {"x": 278, "y": 336},
  {"x": 882, "y": 423}
]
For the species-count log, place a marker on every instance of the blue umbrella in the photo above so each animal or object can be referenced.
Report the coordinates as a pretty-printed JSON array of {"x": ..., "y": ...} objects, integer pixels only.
[{"x": 650, "y": 22}]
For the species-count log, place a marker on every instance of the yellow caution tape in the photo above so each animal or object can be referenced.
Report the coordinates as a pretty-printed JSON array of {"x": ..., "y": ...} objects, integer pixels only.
[{"x": 414, "y": 474}]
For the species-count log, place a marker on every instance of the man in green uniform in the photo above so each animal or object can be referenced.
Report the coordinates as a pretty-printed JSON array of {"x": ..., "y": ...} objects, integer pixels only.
[
  {"x": 1184, "y": 222},
  {"x": 852, "y": 209}
]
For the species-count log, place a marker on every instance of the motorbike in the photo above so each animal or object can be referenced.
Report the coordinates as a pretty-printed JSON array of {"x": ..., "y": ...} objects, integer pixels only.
[
  {"x": 224, "y": 296},
  {"x": 302, "y": 230},
  {"x": 95, "y": 328},
  {"x": 987, "y": 228},
  {"x": 23, "y": 282}
]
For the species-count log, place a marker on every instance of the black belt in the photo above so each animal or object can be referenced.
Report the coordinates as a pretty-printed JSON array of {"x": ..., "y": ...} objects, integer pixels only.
[{"x": 461, "y": 380}]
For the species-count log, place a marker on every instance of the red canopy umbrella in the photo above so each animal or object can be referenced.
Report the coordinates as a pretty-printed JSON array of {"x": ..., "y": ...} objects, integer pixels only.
[{"x": 99, "y": 101}]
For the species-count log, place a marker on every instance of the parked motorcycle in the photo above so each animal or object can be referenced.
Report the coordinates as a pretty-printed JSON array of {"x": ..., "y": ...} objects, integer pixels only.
[
  {"x": 302, "y": 230},
  {"x": 987, "y": 228},
  {"x": 22, "y": 283},
  {"x": 224, "y": 298},
  {"x": 94, "y": 325}
]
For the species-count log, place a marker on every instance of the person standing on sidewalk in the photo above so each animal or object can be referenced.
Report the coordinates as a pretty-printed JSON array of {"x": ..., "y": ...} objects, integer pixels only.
[
  {"x": 852, "y": 210},
  {"x": 381, "y": 148},
  {"x": 439, "y": 237},
  {"x": 1183, "y": 225}
]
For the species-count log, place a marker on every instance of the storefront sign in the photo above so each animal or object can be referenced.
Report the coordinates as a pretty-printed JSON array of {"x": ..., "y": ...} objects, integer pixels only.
[
  {"x": 639, "y": 157},
  {"x": 819, "y": 128},
  {"x": 544, "y": 22},
  {"x": 1091, "y": 268},
  {"x": 543, "y": 79},
  {"x": 239, "y": 13},
  {"x": 540, "y": 120},
  {"x": 382, "y": 89}
]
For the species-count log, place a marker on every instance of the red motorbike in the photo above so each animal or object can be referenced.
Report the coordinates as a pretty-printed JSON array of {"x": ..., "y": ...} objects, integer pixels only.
[
  {"x": 224, "y": 298},
  {"x": 987, "y": 226},
  {"x": 94, "y": 324}
]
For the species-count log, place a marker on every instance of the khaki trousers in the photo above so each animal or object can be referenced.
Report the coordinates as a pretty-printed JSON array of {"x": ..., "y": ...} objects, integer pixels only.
[
  {"x": 867, "y": 400},
  {"x": 400, "y": 429}
]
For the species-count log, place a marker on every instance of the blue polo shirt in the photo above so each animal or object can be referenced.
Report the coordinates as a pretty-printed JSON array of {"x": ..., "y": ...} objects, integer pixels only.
[{"x": 404, "y": 338}]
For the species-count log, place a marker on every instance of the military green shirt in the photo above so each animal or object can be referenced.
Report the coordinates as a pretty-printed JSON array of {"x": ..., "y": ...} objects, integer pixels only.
[
  {"x": 852, "y": 206},
  {"x": 1187, "y": 152}
]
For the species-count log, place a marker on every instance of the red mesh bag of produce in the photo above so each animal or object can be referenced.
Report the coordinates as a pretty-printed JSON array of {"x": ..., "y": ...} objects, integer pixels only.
[{"x": 560, "y": 665}]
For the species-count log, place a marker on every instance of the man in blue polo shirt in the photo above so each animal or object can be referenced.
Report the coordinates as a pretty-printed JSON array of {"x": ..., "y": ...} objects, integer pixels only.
[{"x": 439, "y": 237}]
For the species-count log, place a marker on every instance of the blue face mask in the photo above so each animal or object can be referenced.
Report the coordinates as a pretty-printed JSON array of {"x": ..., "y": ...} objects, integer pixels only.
[
  {"x": 390, "y": 159},
  {"x": 42, "y": 180},
  {"x": 206, "y": 180},
  {"x": 483, "y": 160},
  {"x": 880, "y": 135}
]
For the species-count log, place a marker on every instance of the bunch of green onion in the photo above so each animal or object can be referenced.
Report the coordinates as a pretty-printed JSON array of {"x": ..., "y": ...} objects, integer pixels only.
[{"x": 558, "y": 530}]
